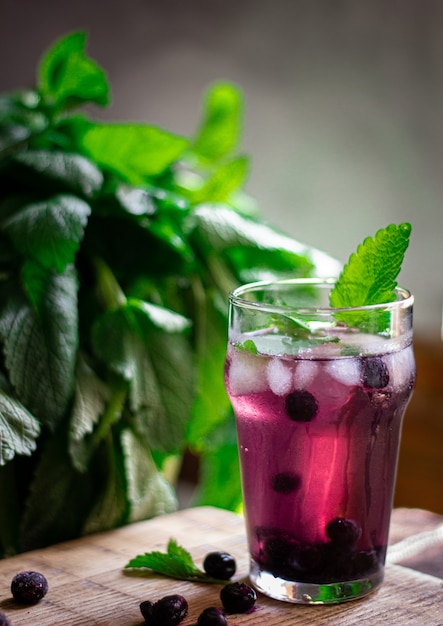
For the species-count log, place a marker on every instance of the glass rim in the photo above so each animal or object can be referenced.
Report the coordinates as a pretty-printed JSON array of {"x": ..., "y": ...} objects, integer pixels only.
[{"x": 404, "y": 297}]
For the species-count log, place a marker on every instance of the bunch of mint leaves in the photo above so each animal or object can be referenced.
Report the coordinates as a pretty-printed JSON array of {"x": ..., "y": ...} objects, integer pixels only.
[{"x": 119, "y": 243}]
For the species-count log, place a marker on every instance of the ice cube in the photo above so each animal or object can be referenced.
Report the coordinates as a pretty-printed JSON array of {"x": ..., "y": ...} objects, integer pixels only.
[
  {"x": 345, "y": 370},
  {"x": 401, "y": 366},
  {"x": 305, "y": 372},
  {"x": 247, "y": 374},
  {"x": 279, "y": 377}
]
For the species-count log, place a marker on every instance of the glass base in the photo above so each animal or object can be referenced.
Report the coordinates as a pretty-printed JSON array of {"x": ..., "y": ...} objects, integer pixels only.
[{"x": 313, "y": 593}]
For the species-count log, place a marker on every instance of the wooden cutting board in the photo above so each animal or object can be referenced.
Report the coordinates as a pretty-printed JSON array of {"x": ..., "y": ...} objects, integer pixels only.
[{"x": 87, "y": 584}]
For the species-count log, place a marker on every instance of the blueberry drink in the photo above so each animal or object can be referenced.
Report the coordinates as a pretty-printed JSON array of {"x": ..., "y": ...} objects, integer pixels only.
[{"x": 319, "y": 395}]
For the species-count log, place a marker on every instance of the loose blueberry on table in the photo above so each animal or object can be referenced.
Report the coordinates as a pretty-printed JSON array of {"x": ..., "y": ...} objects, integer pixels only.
[
  {"x": 219, "y": 565},
  {"x": 168, "y": 611},
  {"x": 212, "y": 616},
  {"x": 237, "y": 597},
  {"x": 28, "y": 587}
]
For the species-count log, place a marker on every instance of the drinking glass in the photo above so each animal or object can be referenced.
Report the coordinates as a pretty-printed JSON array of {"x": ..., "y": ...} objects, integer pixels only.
[{"x": 319, "y": 395}]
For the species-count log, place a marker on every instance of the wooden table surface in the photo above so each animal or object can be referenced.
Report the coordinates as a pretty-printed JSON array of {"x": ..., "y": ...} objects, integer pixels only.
[{"x": 87, "y": 584}]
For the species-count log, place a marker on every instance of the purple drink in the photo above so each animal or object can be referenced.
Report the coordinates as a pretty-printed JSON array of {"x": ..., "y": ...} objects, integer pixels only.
[{"x": 318, "y": 429}]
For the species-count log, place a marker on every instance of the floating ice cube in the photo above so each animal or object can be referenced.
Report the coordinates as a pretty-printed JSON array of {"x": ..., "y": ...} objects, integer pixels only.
[
  {"x": 401, "y": 366},
  {"x": 330, "y": 391},
  {"x": 247, "y": 374},
  {"x": 305, "y": 372},
  {"x": 345, "y": 371},
  {"x": 279, "y": 377}
]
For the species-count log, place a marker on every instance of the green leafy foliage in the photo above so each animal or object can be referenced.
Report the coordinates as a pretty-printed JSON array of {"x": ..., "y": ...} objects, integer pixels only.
[{"x": 119, "y": 243}]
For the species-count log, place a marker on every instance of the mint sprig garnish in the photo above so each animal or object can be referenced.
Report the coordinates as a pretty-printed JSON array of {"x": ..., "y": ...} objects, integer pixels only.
[
  {"x": 176, "y": 562},
  {"x": 368, "y": 278},
  {"x": 370, "y": 275}
]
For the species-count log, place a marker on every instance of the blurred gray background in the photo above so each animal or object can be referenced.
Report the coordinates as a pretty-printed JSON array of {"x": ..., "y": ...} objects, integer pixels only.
[{"x": 343, "y": 104}]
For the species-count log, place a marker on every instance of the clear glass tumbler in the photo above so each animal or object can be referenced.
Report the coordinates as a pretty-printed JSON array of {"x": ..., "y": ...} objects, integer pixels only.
[{"x": 319, "y": 396}]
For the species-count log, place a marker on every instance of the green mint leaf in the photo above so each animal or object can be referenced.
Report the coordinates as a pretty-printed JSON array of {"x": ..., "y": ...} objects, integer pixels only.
[
  {"x": 89, "y": 402},
  {"x": 226, "y": 180},
  {"x": 119, "y": 336},
  {"x": 145, "y": 345},
  {"x": 175, "y": 563},
  {"x": 134, "y": 200},
  {"x": 149, "y": 314},
  {"x": 110, "y": 506},
  {"x": 19, "y": 429},
  {"x": 247, "y": 346},
  {"x": 370, "y": 275},
  {"x": 50, "y": 231},
  {"x": 19, "y": 119},
  {"x": 253, "y": 247},
  {"x": 135, "y": 152},
  {"x": 220, "y": 130},
  {"x": 148, "y": 492},
  {"x": 66, "y": 76},
  {"x": 71, "y": 172},
  {"x": 40, "y": 343},
  {"x": 57, "y": 491},
  {"x": 208, "y": 409}
]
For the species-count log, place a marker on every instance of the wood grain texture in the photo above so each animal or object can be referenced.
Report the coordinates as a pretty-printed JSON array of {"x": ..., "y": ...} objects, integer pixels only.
[{"x": 87, "y": 584}]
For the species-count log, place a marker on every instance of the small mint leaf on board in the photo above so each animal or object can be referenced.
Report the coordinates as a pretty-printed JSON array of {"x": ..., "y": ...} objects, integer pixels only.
[
  {"x": 369, "y": 277},
  {"x": 175, "y": 563}
]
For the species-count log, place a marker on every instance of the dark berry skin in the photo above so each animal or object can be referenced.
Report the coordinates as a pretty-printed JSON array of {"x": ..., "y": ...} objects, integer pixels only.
[
  {"x": 237, "y": 597},
  {"x": 285, "y": 482},
  {"x": 28, "y": 587},
  {"x": 212, "y": 616},
  {"x": 282, "y": 555},
  {"x": 301, "y": 406},
  {"x": 4, "y": 620},
  {"x": 365, "y": 562},
  {"x": 219, "y": 565},
  {"x": 343, "y": 532},
  {"x": 146, "y": 609},
  {"x": 374, "y": 373},
  {"x": 169, "y": 611}
]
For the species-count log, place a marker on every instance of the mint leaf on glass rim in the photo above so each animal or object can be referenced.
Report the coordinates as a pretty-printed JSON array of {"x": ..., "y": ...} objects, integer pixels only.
[{"x": 370, "y": 275}]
